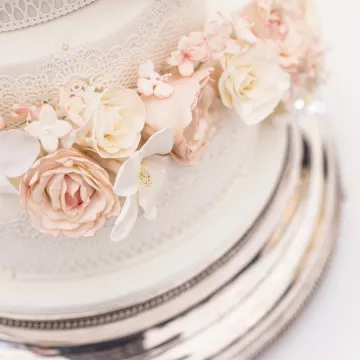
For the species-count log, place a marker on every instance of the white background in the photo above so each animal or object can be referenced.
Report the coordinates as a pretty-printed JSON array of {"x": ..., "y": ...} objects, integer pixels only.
[{"x": 329, "y": 329}]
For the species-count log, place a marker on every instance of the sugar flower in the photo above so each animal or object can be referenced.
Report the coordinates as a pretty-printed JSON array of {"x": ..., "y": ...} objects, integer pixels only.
[
  {"x": 67, "y": 193},
  {"x": 219, "y": 39},
  {"x": 109, "y": 122},
  {"x": 151, "y": 83},
  {"x": 229, "y": 36},
  {"x": 191, "y": 49},
  {"x": 253, "y": 83},
  {"x": 22, "y": 113},
  {"x": 72, "y": 106},
  {"x": 186, "y": 113},
  {"x": 18, "y": 151},
  {"x": 201, "y": 129},
  {"x": 48, "y": 129},
  {"x": 290, "y": 24},
  {"x": 141, "y": 179}
]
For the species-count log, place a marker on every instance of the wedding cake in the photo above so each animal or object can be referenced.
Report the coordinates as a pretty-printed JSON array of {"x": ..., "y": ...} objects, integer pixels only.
[{"x": 153, "y": 180}]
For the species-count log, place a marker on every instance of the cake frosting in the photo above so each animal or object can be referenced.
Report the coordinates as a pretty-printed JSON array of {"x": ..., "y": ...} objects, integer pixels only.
[
  {"x": 17, "y": 14},
  {"x": 82, "y": 47}
]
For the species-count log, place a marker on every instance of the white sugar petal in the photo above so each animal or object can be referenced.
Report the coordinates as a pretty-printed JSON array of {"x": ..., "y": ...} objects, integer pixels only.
[
  {"x": 126, "y": 220},
  {"x": 146, "y": 69},
  {"x": 195, "y": 38},
  {"x": 145, "y": 87},
  {"x": 64, "y": 95},
  {"x": 50, "y": 143},
  {"x": 77, "y": 104},
  {"x": 127, "y": 179},
  {"x": 68, "y": 141},
  {"x": 248, "y": 36},
  {"x": 160, "y": 143},
  {"x": 163, "y": 90},
  {"x": 175, "y": 58},
  {"x": 150, "y": 191},
  {"x": 47, "y": 115},
  {"x": 186, "y": 68},
  {"x": 61, "y": 129},
  {"x": 35, "y": 129},
  {"x": 18, "y": 152}
]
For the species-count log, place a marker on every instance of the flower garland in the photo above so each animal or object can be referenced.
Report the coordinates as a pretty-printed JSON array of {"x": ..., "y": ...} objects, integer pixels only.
[{"x": 100, "y": 154}]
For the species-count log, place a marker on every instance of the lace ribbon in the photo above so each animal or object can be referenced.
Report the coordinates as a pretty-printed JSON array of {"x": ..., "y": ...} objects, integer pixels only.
[{"x": 154, "y": 34}]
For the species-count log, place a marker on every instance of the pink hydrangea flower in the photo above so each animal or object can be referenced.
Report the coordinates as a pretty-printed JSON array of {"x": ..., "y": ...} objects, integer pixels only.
[
  {"x": 23, "y": 112},
  {"x": 191, "y": 49},
  {"x": 152, "y": 83},
  {"x": 228, "y": 36}
]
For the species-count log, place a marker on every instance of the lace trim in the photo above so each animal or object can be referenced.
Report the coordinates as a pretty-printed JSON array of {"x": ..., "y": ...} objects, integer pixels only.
[
  {"x": 157, "y": 33},
  {"x": 18, "y": 14}
]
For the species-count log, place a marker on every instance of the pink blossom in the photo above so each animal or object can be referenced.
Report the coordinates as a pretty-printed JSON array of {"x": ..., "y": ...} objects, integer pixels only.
[
  {"x": 23, "y": 112},
  {"x": 288, "y": 24},
  {"x": 66, "y": 193},
  {"x": 191, "y": 50},
  {"x": 152, "y": 83},
  {"x": 228, "y": 36}
]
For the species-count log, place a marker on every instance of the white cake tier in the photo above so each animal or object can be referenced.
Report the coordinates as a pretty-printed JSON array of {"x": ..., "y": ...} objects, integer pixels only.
[
  {"x": 203, "y": 211},
  {"x": 101, "y": 44},
  {"x": 17, "y": 14}
]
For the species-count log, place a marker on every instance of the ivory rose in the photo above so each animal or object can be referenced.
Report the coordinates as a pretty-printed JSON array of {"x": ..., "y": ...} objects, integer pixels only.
[
  {"x": 186, "y": 112},
  {"x": 110, "y": 122},
  {"x": 67, "y": 193},
  {"x": 253, "y": 83}
]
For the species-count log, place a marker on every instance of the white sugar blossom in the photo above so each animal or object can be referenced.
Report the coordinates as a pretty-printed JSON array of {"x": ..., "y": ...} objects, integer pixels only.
[
  {"x": 140, "y": 180},
  {"x": 48, "y": 129},
  {"x": 18, "y": 152}
]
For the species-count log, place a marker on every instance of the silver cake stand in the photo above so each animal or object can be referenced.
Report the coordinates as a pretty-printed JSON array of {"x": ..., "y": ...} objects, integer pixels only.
[{"x": 246, "y": 304}]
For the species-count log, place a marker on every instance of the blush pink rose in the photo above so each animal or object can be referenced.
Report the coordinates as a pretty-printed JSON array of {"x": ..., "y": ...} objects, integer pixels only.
[
  {"x": 66, "y": 193},
  {"x": 187, "y": 112},
  {"x": 289, "y": 24}
]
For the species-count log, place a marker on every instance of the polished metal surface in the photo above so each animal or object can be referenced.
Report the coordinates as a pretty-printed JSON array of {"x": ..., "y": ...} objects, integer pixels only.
[{"x": 257, "y": 297}]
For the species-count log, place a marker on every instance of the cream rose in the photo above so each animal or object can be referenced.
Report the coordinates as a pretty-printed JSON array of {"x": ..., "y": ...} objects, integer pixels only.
[
  {"x": 253, "y": 83},
  {"x": 67, "y": 193},
  {"x": 112, "y": 121}
]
